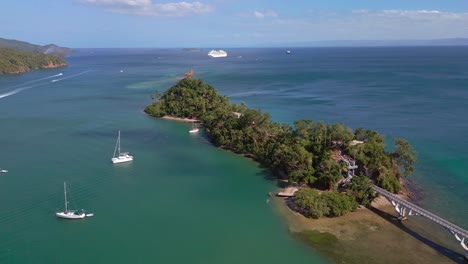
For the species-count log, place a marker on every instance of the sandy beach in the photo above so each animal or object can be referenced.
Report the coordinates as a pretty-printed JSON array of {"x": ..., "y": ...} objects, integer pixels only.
[
  {"x": 374, "y": 236},
  {"x": 188, "y": 120}
]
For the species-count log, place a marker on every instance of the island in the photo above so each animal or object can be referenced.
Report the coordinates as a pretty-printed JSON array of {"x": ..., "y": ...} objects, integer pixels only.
[
  {"x": 19, "y": 57},
  {"x": 333, "y": 167}
]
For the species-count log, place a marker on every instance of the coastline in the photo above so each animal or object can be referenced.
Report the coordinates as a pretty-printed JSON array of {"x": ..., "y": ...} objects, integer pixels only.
[
  {"x": 368, "y": 235},
  {"x": 187, "y": 120},
  {"x": 371, "y": 235}
]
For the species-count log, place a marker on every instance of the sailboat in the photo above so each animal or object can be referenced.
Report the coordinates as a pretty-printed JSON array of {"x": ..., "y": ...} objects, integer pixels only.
[
  {"x": 194, "y": 128},
  {"x": 70, "y": 214},
  {"x": 122, "y": 157}
]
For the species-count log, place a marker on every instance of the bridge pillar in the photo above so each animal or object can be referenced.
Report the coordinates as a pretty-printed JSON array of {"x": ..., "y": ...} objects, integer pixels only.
[
  {"x": 462, "y": 243},
  {"x": 405, "y": 209},
  {"x": 401, "y": 210}
]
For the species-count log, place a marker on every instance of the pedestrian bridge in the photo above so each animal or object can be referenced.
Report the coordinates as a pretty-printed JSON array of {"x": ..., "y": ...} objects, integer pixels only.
[{"x": 405, "y": 209}]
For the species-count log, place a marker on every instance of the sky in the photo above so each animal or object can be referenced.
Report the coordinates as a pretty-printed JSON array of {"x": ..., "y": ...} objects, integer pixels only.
[{"x": 227, "y": 23}]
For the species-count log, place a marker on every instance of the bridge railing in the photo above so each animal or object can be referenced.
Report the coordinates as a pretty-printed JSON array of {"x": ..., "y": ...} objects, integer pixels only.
[{"x": 421, "y": 211}]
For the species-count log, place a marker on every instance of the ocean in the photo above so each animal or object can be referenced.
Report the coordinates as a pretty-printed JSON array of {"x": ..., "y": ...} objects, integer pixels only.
[{"x": 182, "y": 200}]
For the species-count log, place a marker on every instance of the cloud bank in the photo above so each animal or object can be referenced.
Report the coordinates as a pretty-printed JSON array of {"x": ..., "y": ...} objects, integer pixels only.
[
  {"x": 370, "y": 24},
  {"x": 148, "y": 8}
]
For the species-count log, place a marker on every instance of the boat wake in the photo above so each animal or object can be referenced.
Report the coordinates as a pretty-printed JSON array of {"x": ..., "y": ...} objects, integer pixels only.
[
  {"x": 41, "y": 79},
  {"x": 17, "y": 90},
  {"x": 71, "y": 76}
]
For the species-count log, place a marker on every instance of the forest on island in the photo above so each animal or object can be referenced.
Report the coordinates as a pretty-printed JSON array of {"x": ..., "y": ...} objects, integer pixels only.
[
  {"x": 12, "y": 61},
  {"x": 307, "y": 153}
]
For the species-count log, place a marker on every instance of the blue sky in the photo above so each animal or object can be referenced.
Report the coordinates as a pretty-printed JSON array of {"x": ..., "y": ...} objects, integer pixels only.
[{"x": 227, "y": 23}]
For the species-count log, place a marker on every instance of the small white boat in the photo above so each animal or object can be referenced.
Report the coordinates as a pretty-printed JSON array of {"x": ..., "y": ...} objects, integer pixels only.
[
  {"x": 122, "y": 157},
  {"x": 3, "y": 171},
  {"x": 288, "y": 52},
  {"x": 194, "y": 128},
  {"x": 69, "y": 214}
]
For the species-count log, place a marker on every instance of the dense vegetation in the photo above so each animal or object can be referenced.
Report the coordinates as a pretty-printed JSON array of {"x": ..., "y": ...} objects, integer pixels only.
[
  {"x": 313, "y": 204},
  {"x": 50, "y": 49},
  {"x": 12, "y": 61},
  {"x": 308, "y": 153}
]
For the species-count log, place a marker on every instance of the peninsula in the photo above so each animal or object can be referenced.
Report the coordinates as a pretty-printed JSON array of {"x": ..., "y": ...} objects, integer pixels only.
[
  {"x": 333, "y": 166},
  {"x": 330, "y": 170}
]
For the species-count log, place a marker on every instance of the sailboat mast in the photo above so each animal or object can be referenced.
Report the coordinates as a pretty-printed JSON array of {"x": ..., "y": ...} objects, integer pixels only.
[
  {"x": 65, "y": 194},
  {"x": 117, "y": 145}
]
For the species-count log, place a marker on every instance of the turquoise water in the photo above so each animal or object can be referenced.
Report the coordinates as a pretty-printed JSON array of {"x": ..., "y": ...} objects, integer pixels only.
[{"x": 182, "y": 200}]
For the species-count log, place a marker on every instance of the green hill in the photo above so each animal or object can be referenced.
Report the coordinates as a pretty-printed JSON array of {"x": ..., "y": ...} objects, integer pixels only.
[
  {"x": 13, "y": 61},
  {"x": 25, "y": 46}
]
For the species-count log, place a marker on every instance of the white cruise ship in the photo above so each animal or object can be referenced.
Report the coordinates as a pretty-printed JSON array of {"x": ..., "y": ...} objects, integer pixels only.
[{"x": 217, "y": 53}]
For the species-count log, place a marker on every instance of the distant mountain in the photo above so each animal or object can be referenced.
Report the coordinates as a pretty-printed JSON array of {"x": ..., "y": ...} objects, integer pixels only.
[
  {"x": 379, "y": 43},
  {"x": 28, "y": 47}
]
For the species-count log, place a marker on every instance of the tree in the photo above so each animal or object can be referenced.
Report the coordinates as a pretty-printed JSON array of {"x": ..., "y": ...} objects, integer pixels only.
[
  {"x": 361, "y": 188},
  {"x": 404, "y": 155},
  {"x": 329, "y": 174},
  {"x": 330, "y": 204},
  {"x": 338, "y": 132}
]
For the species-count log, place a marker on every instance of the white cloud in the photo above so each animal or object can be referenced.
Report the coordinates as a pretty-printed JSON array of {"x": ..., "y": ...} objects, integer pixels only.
[
  {"x": 434, "y": 15},
  {"x": 148, "y": 8},
  {"x": 409, "y": 12},
  {"x": 382, "y": 24},
  {"x": 360, "y": 11},
  {"x": 268, "y": 13},
  {"x": 360, "y": 25}
]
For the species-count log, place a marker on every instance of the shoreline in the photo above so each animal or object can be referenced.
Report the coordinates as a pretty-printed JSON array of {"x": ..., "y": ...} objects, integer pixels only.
[
  {"x": 372, "y": 235},
  {"x": 187, "y": 120}
]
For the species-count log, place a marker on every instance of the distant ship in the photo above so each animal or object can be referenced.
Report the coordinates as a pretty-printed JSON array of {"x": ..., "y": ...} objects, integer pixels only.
[
  {"x": 217, "y": 53},
  {"x": 288, "y": 52}
]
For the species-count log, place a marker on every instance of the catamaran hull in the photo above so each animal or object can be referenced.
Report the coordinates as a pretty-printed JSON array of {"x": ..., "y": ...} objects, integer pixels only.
[
  {"x": 121, "y": 159},
  {"x": 70, "y": 215}
]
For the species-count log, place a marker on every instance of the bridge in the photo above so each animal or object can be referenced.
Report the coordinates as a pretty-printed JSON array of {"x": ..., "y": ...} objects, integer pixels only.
[{"x": 405, "y": 209}]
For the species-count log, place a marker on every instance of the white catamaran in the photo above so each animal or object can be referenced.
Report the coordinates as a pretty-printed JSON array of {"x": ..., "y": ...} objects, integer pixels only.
[
  {"x": 70, "y": 214},
  {"x": 122, "y": 157}
]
